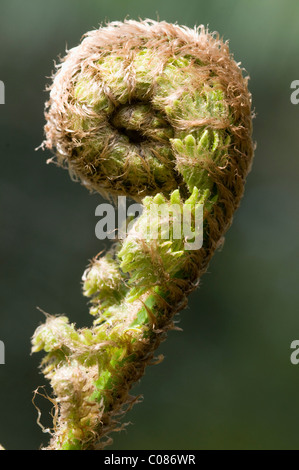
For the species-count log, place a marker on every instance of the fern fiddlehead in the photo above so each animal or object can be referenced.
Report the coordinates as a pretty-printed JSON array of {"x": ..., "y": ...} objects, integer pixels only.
[{"x": 162, "y": 114}]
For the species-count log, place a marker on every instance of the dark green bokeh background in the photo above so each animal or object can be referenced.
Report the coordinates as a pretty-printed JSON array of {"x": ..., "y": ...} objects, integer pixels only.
[{"x": 227, "y": 381}]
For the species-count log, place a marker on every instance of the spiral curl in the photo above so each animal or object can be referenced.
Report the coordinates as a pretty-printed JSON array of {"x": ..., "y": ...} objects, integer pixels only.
[{"x": 162, "y": 114}]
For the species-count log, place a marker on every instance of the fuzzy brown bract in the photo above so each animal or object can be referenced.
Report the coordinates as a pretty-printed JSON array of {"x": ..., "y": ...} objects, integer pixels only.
[{"x": 119, "y": 98}]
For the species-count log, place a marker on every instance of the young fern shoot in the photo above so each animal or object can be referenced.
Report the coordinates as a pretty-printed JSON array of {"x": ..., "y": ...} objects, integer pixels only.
[{"x": 162, "y": 114}]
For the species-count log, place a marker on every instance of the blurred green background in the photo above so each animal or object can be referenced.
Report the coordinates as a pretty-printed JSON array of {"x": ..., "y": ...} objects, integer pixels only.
[{"x": 227, "y": 381}]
